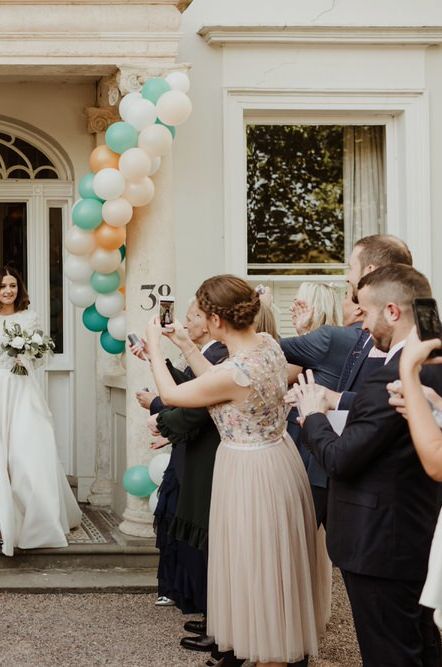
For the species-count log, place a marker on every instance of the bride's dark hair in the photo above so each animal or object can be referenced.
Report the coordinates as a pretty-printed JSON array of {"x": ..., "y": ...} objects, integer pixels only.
[
  {"x": 232, "y": 298},
  {"x": 22, "y": 300}
]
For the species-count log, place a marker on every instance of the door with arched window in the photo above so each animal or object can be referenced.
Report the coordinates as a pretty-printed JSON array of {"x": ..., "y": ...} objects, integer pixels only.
[{"x": 36, "y": 189}]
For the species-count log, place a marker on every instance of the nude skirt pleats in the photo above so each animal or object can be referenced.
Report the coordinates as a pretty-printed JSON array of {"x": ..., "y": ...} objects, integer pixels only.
[{"x": 269, "y": 578}]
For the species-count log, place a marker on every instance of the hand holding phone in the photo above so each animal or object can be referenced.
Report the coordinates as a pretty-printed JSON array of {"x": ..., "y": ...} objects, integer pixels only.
[
  {"x": 137, "y": 346},
  {"x": 167, "y": 312},
  {"x": 428, "y": 324}
]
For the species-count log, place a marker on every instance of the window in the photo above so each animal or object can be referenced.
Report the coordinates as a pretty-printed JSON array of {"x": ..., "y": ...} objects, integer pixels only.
[{"x": 312, "y": 190}]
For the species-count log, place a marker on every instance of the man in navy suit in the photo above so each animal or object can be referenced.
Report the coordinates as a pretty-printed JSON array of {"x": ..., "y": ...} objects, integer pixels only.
[{"x": 382, "y": 508}]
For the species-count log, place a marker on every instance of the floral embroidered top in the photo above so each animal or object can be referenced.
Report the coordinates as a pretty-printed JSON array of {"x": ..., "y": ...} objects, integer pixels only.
[
  {"x": 261, "y": 417},
  {"x": 28, "y": 321}
]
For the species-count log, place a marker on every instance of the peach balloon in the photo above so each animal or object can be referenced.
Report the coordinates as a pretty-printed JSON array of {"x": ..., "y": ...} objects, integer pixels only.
[
  {"x": 122, "y": 290},
  {"x": 110, "y": 238},
  {"x": 103, "y": 158}
]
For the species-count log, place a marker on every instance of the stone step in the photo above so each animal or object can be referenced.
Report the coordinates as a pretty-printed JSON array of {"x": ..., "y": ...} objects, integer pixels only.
[{"x": 108, "y": 580}]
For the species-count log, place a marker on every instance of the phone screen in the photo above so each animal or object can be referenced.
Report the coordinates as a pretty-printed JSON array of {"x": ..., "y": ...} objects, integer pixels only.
[
  {"x": 167, "y": 311},
  {"x": 427, "y": 319}
]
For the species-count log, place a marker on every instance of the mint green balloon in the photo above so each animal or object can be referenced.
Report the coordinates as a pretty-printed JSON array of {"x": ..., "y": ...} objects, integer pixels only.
[
  {"x": 154, "y": 88},
  {"x": 137, "y": 482},
  {"x": 86, "y": 188},
  {"x": 93, "y": 321},
  {"x": 87, "y": 213},
  {"x": 121, "y": 136},
  {"x": 111, "y": 344},
  {"x": 105, "y": 282},
  {"x": 171, "y": 128}
]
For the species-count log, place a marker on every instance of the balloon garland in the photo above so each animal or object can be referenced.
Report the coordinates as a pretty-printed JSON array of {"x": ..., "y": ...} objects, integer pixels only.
[
  {"x": 143, "y": 481},
  {"x": 120, "y": 180}
]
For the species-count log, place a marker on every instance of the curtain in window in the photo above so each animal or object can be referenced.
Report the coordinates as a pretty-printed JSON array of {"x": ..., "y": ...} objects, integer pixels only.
[{"x": 364, "y": 183}]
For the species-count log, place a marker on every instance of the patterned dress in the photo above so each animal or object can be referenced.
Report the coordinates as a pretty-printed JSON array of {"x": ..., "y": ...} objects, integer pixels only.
[{"x": 269, "y": 574}]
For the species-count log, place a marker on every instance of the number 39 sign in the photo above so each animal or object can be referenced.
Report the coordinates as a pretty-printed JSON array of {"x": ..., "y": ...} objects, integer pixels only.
[{"x": 152, "y": 293}]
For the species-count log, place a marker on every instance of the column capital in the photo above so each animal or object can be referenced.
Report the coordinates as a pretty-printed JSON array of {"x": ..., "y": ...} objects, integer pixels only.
[
  {"x": 99, "y": 118},
  {"x": 130, "y": 79}
]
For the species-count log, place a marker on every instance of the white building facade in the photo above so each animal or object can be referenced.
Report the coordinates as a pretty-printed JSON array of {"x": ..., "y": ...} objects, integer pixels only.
[{"x": 317, "y": 69}]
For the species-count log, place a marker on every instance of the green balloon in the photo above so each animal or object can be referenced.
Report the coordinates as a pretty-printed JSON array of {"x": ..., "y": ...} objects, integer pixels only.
[
  {"x": 86, "y": 188},
  {"x": 121, "y": 136},
  {"x": 154, "y": 88},
  {"x": 137, "y": 482},
  {"x": 171, "y": 128},
  {"x": 92, "y": 319},
  {"x": 110, "y": 344},
  {"x": 122, "y": 250},
  {"x": 105, "y": 282},
  {"x": 87, "y": 213}
]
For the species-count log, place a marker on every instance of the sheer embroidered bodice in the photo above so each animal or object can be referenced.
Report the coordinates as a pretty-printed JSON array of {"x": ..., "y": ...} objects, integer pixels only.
[
  {"x": 28, "y": 321},
  {"x": 260, "y": 418}
]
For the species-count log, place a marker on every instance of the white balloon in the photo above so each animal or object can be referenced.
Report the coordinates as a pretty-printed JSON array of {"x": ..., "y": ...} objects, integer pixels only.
[
  {"x": 174, "y": 108},
  {"x": 140, "y": 193},
  {"x": 82, "y": 294},
  {"x": 157, "y": 466},
  {"x": 141, "y": 113},
  {"x": 153, "y": 500},
  {"x": 108, "y": 183},
  {"x": 156, "y": 164},
  {"x": 79, "y": 242},
  {"x": 78, "y": 268},
  {"x": 127, "y": 101},
  {"x": 110, "y": 304},
  {"x": 117, "y": 326},
  {"x": 117, "y": 212},
  {"x": 105, "y": 261},
  {"x": 135, "y": 164},
  {"x": 178, "y": 81},
  {"x": 155, "y": 140}
]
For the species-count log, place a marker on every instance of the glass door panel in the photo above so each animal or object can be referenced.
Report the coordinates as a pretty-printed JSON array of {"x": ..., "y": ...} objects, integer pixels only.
[
  {"x": 56, "y": 276},
  {"x": 13, "y": 236}
]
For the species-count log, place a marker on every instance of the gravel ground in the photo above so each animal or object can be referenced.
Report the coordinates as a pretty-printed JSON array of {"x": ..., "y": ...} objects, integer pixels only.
[{"x": 82, "y": 630}]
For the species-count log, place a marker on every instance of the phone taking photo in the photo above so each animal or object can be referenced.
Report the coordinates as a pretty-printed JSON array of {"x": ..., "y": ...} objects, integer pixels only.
[
  {"x": 428, "y": 324},
  {"x": 167, "y": 311},
  {"x": 134, "y": 340}
]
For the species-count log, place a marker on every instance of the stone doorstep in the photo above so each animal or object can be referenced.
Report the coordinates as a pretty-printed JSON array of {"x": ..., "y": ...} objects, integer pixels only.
[{"x": 116, "y": 580}]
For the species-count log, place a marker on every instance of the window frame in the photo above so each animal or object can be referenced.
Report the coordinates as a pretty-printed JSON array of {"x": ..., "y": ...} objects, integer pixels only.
[{"x": 407, "y": 168}]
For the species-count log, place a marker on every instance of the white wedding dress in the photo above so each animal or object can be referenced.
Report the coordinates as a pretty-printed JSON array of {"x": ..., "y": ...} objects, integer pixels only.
[
  {"x": 432, "y": 592},
  {"x": 37, "y": 506}
]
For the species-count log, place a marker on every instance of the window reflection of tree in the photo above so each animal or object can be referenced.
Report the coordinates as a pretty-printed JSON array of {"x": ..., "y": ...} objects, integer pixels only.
[
  {"x": 56, "y": 277},
  {"x": 14, "y": 241}
]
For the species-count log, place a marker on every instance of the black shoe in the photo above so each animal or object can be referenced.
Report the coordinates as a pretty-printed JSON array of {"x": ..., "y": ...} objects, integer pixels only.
[
  {"x": 201, "y": 643},
  {"x": 197, "y": 627}
]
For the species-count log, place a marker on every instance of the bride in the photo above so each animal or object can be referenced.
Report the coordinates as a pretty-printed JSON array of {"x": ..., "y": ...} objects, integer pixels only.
[{"x": 37, "y": 506}]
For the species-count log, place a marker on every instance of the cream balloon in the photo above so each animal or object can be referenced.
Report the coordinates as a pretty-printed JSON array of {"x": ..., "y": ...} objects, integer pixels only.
[
  {"x": 174, "y": 107},
  {"x": 156, "y": 164},
  {"x": 105, "y": 261},
  {"x": 153, "y": 500},
  {"x": 135, "y": 164},
  {"x": 110, "y": 304},
  {"x": 157, "y": 466},
  {"x": 79, "y": 242},
  {"x": 155, "y": 140},
  {"x": 117, "y": 326},
  {"x": 127, "y": 102},
  {"x": 108, "y": 183},
  {"x": 117, "y": 212},
  {"x": 141, "y": 113},
  {"x": 140, "y": 193},
  {"x": 82, "y": 294},
  {"x": 78, "y": 268},
  {"x": 178, "y": 81}
]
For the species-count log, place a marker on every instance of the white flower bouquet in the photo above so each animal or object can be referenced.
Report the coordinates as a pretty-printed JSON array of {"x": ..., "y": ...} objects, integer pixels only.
[{"x": 25, "y": 346}]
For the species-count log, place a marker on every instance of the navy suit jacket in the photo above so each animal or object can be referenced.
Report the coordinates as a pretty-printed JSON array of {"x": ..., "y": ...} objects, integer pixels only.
[
  {"x": 361, "y": 371},
  {"x": 382, "y": 507},
  {"x": 324, "y": 351}
]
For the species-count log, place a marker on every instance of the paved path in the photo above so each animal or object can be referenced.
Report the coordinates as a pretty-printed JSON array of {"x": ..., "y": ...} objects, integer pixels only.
[{"x": 124, "y": 630}]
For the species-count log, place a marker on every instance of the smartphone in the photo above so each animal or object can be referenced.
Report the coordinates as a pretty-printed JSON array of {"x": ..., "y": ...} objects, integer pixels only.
[
  {"x": 133, "y": 339},
  {"x": 427, "y": 320},
  {"x": 167, "y": 311}
]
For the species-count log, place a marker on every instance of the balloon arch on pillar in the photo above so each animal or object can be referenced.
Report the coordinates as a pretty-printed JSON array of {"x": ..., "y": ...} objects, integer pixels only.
[{"x": 120, "y": 180}]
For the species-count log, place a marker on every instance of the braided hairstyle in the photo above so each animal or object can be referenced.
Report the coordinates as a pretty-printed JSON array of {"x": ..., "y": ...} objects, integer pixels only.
[{"x": 231, "y": 298}]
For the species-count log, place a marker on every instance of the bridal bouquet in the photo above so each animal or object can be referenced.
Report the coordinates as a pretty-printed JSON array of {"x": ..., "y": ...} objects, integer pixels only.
[{"x": 25, "y": 346}]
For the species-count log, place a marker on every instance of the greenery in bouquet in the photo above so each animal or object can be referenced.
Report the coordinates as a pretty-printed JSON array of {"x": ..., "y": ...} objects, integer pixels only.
[{"x": 25, "y": 346}]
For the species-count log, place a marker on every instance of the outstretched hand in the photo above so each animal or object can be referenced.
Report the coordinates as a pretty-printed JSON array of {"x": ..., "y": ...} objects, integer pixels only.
[
  {"x": 310, "y": 397},
  {"x": 302, "y": 314}
]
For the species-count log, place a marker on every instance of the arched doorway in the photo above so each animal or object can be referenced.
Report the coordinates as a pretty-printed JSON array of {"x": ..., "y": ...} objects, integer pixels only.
[{"x": 36, "y": 190}]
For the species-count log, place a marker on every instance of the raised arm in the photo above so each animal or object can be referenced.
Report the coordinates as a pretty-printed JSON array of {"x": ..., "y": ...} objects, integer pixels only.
[
  {"x": 426, "y": 433},
  {"x": 197, "y": 361}
]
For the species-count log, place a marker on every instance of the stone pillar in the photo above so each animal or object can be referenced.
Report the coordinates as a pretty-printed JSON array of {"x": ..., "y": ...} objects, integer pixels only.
[{"x": 99, "y": 118}]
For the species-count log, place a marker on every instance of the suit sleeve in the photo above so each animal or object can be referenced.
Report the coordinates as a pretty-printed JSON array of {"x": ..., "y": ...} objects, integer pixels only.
[
  {"x": 346, "y": 400},
  {"x": 373, "y": 424},
  {"x": 182, "y": 424},
  {"x": 306, "y": 350}
]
